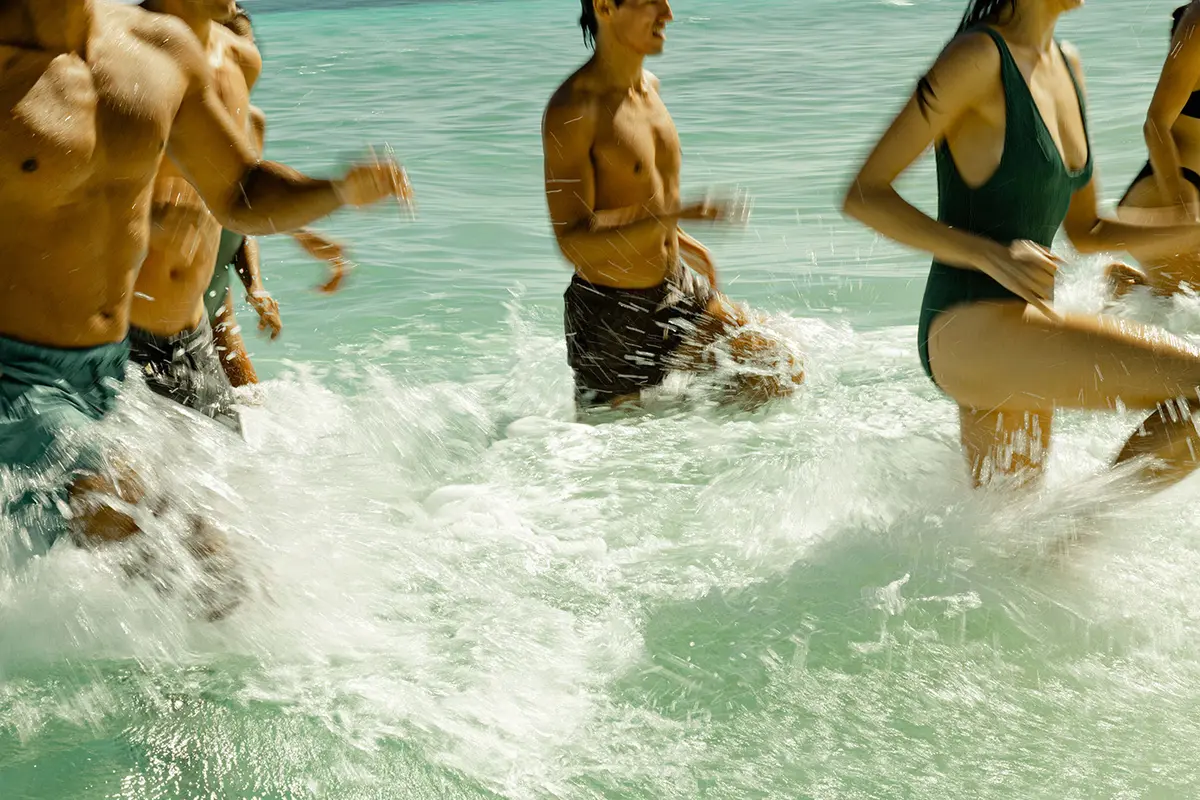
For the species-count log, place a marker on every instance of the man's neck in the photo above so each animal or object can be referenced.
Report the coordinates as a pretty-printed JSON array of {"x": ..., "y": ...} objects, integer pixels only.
[
  {"x": 618, "y": 66},
  {"x": 200, "y": 23},
  {"x": 63, "y": 25}
]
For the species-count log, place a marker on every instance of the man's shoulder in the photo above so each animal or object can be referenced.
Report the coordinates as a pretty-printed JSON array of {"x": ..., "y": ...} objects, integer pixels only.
[
  {"x": 575, "y": 97},
  {"x": 163, "y": 32},
  {"x": 242, "y": 51}
]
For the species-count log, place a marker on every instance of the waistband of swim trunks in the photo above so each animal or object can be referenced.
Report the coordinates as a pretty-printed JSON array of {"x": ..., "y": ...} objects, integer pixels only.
[
  {"x": 598, "y": 288},
  {"x": 188, "y": 339},
  {"x": 28, "y": 362}
]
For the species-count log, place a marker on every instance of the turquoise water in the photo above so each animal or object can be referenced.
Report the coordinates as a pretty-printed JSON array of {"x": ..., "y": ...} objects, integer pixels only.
[{"x": 464, "y": 594}]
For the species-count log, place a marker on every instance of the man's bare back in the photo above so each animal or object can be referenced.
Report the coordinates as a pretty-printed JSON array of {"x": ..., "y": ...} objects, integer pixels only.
[{"x": 184, "y": 235}]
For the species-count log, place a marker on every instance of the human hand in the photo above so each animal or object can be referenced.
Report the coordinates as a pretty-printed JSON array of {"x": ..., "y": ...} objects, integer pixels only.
[
  {"x": 378, "y": 179},
  {"x": 735, "y": 209},
  {"x": 328, "y": 250},
  {"x": 268, "y": 312},
  {"x": 1026, "y": 269}
]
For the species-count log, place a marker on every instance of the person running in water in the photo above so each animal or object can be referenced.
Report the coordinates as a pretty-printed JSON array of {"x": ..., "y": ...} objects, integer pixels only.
[
  {"x": 1004, "y": 109},
  {"x": 634, "y": 310},
  {"x": 170, "y": 335},
  {"x": 239, "y": 255},
  {"x": 1167, "y": 190},
  {"x": 81, "y": 144}
]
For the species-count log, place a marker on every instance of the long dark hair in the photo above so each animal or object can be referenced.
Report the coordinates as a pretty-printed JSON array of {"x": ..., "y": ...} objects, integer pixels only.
[
  {"x": 1177, "y": 17},
  {"x": 979, "y": 12}
]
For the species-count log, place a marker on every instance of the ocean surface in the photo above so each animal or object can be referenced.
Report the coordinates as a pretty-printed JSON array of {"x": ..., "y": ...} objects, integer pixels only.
[{"x": 460, "y": 592}]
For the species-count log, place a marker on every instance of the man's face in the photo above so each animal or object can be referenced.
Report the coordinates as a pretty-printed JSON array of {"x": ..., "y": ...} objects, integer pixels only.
[{"x": 639, "y": 25}]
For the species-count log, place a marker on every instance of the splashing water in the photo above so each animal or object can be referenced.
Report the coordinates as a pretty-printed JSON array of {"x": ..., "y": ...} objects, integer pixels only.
[{"x": 459, "y": 591}]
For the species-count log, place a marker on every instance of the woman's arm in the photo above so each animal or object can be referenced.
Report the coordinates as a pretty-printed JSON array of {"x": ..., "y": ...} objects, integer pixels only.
[
  {"x": 1090, "y": 232},
  {"x": 964, "y": 73},
  {"x": 1180, "y": 73}
]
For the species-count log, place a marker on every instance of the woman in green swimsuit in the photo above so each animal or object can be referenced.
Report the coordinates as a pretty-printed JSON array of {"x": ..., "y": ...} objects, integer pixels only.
[{"x": 1004, "y": 108}]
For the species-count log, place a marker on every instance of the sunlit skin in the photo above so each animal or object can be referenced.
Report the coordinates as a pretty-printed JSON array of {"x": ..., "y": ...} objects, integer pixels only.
[
  {"x": 96, "y": 94},
  {"x": 612, "y": 165},
  {"x": 1173, "y": 143},
  {"x": 1011, "y": 364}
]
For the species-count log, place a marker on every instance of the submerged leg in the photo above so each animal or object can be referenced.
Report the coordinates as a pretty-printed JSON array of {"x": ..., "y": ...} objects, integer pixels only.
[
  {"x": 1007, "y": 357},
  {"x": 1005, "y": 444}
]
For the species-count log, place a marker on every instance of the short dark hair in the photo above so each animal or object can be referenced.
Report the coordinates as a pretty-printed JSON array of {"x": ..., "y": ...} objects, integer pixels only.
[
  {"x": 241, "y": 24},
  {"x": 587, "y": 21}
]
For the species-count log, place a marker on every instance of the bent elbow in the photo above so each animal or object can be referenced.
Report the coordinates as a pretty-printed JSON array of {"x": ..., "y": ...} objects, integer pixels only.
[
  {"x": 853, "y": 201},
  {"x": 1156, "y": 128},
  {"x": 1085, "y": 239}
]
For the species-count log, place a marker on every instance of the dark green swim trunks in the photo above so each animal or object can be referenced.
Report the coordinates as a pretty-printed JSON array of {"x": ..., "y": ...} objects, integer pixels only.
[
  {"x": 214, "y": 295},
  {"x": 49, "y": 398}
]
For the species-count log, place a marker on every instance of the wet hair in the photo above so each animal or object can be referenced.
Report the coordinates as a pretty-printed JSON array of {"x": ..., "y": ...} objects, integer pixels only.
[
  {"x": 241, "y": 24},
  {"x": 979, "y": 12},
  {"x": 587, "y": 21},
  {"x": 1177, "y": 17}
]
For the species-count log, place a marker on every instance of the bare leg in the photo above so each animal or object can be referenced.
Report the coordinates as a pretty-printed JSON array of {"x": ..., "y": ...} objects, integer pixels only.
[
  {"x": 774, "y": 372},
  {"x": 95, "y": 522},
  {"x": 1005, "y": 443},
  {"x": 230, "y": 346},
  {"x": 1006, "y": 357}
]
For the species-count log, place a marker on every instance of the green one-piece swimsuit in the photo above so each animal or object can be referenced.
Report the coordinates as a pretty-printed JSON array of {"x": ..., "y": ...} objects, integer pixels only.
[{"x": 1026, "y": 198}]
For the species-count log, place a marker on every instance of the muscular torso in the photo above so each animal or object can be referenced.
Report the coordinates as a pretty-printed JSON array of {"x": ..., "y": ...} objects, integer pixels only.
[
  {"x": 184, "y": 236},
  {"x": 80, "y": 142},
  {"x": 636, "y": 158}
]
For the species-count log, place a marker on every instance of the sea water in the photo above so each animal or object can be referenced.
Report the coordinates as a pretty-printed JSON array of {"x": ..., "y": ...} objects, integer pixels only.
[{"x": 460, "y": 592}]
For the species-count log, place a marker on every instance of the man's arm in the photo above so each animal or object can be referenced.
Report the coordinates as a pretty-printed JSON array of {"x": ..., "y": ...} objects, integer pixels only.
[
  {"x": 245, "y": 194},
  {"x": 246, "y": 264}
]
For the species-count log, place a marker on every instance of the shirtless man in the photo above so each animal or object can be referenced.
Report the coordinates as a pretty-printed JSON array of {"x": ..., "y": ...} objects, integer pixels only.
[
  {"x": 170, "y": 336},
  {"x": 94, "y": 95},
  {"x": 612, "y": 160}
]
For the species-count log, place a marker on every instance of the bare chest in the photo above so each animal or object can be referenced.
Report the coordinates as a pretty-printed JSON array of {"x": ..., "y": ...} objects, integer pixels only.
[
  {"x": 67, "y": 124},
  {"x": 639, "y": 148},
  {"x": 1039, "y": 114}
]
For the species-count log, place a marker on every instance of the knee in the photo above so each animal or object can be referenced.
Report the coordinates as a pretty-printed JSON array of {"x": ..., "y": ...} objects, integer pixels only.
[
  {"x": 1123, "y": 278},
  {"x": 769, "y": 369},
  {"x": 96, "y": 504}
]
